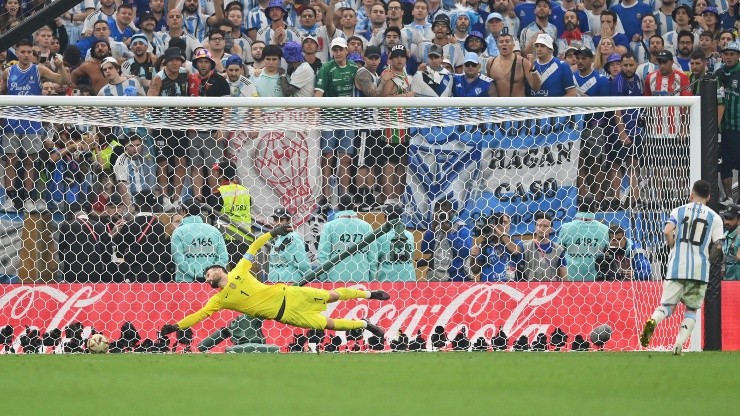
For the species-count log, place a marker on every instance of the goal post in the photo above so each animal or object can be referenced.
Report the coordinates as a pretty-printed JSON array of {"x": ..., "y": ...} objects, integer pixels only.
[{"x": 476, "y": 174}]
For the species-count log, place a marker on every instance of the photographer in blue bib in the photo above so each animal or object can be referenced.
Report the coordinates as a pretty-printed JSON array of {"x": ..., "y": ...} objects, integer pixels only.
[{"x": 288, "y": 257}]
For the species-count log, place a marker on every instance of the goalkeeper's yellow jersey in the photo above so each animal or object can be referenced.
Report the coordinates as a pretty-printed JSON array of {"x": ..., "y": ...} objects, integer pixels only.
[{"x": 242, "y": 293}]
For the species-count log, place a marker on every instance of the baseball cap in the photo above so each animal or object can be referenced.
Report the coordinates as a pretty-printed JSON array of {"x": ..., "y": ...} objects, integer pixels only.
[
  {"x": 711, "y": 9},
  {"x": 494, "y": 15},
  {"x": 398, "y": 50},
  {"x": 110, "y": 60},
  {"x": 732, "y": 212},
  {"x": 372, "y": 51},
  {"x": 615, "y": 57},
  {"x": 664, "y": 55},
  {"x": 585, "y": 51},
  {"x": 544, "y": 39},
  {"x": 234, "y": 60},
  {"x": 436, "y": 50},
  {"x": 341, "y": 42},
  {"x": 471, "y": 57},
  {"x": 280, "y": 213},
  {"x": 313, "y": 38},
  {"x": 732, "y": 46}
]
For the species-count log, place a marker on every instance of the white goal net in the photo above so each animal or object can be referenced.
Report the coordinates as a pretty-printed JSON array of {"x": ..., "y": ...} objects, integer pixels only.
[{"x": 529, "y": 224}]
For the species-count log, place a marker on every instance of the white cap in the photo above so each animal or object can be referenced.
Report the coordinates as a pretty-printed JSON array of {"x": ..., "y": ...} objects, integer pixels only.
[
  {"x": 494, "y": 15},
  {"x": 338, "y": 42},
  {"x": 544, "y": 39},
  {"x": 110, "y": 60}
]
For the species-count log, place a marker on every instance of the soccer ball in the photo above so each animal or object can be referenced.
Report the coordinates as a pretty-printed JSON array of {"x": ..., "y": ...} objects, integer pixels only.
[
  {"x": 601, "y": 334},
  {"x": 97, "y": 344}
]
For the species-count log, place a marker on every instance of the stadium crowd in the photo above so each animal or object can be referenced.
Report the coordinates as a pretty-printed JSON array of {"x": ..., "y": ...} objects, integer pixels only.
[{"x": 297, "y": 48}]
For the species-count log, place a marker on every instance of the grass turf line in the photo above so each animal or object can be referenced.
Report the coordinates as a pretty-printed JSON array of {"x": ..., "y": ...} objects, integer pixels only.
[{"x": 372, "y": 384}]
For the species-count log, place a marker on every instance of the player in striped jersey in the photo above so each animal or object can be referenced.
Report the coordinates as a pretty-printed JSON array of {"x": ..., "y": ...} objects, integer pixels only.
[{"x": 694, "y": 234}]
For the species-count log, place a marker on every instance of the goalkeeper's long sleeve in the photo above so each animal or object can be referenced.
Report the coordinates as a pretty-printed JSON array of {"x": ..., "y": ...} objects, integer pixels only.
[{"x": 254, "y": 248}]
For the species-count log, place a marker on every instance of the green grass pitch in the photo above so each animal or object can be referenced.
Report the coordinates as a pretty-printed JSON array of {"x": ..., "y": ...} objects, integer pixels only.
[{"x": 405, "y": 384}]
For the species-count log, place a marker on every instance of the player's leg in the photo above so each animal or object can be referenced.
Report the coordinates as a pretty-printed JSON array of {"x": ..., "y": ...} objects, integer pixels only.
[
  {"x": 346, "y": 293},
  {"x": 672, "y": 291},
  {"x": 693, "y": 297}
]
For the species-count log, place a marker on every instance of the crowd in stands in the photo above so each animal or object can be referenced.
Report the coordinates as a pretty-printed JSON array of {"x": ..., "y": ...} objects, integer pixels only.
[{"x": 345, "y": 48}]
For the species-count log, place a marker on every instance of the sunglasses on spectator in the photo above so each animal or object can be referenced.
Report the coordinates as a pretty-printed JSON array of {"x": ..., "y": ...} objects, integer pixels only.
[{"x": 470, "y": 64}]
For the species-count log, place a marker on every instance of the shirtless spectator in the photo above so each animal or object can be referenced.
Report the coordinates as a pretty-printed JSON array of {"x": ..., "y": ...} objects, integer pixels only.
[
  {"x": 91, "y": 68},
  {"x": 500, "y": 69}
]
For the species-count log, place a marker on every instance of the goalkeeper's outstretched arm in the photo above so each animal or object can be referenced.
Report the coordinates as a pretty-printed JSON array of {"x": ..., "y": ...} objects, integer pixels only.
[{"x": 260, "y": 242}]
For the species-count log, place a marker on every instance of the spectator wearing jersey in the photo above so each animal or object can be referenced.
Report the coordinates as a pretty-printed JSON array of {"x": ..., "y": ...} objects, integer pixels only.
[
  {"x": 196, "y": 245},
  {"x": 141, "y": 65},
  {"x": 409, "y": 36},
  {"x": 278, "y": 31},
  {"x": 540, "y": 26},
  {"x": 144, "y": 244},
  {"x": 258, "y": 61},
  {"x": 118, "y": 85},
  {"x": 729, "y": 18},
  {"x": 255, "y": 19},
  {"x": 698, "y": 70},
  {"x": 239, "y": 85},
  {"x": 590, "y": 83},
  {"x": 557, "y": 17},
  {"x": 177, "y": 29},
  {"x": 471, "y": 83},
  {"x": 266, "y": 81},
  {"x": 120, "y": 26},
  {"x": 683, "y": 16},
  {"x": 106, "y": 10},
  {"x": 708, "y": 47},
  {"x": 196, "y": 20},
  {"x": 446, "y": 245},
  {"x": 172, "y": 145},
  {"x": 728, "y": 78},
  {"x": 434, "y": 80},
  {"x": 612, "y": 66},
  {"x": 630, "y": 12},
  {"x": 639, "y": 44},
  {"x": 345, "y": 230},
  {"x": 206, "y": 146},
  {"x": 288, "y": 257},
  {"x": 609, "y": 21},
  {"x": 394, "y": 142},
  {"x": 81, "y": 247},
  {"x": 583, "y": 239},
  {"x": 452, "y": 50},
  {"x": 310, "y": 46},
  {"x": 683, "y": 50},
  {"x": 477, "y": 44},
  {"x": 299, "y": 79},
  {"x": 367, "y": 84},
  {"x": 336, "y": 79},
  {"x": 626, "y": 142},
  {"x": 147, "y": 24},
  {"x": 555, "y": 75},
  {"x": 511, "y": 19},
  {"x": 421, "y": 22},
  {"x": 216, "y": 46},
  {"x": 664, "y": 16},
  {"x": 542, "y": 257},
  {"x": 731, "y": 242},
  {"x": 309, "y": 25},
  {"x": 710, "y": 20},
  {"x": 129, "y": 169},
  {"x": 665, "y": 132}
]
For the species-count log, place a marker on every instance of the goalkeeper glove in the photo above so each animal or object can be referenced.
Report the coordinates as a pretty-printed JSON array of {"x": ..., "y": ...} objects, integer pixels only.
[
  {"x": 279, "y": 230},
  {"x": 169, "y": 328}
]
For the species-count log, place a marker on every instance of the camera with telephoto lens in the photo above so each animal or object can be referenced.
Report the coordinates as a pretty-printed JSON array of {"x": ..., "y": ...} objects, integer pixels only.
[
  {"x": 484, "y": 225},
  {"x": 609, "y": 265}
]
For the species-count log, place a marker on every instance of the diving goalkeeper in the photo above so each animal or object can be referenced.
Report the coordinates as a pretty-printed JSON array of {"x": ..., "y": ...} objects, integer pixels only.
[{"x": 240, "y": 291}]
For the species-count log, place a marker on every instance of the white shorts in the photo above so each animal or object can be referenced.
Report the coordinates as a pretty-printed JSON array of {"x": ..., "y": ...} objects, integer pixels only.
[{"x": 689, "y": 292}]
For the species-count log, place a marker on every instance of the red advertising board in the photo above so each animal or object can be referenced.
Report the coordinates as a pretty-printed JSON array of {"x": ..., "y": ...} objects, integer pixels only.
[
  {"x": 518, "y": 308},
  {"x": 730, "y": 315}
]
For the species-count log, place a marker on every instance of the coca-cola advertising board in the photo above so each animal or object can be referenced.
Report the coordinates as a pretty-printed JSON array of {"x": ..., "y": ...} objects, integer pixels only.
[{"x": 518, "y": 308}]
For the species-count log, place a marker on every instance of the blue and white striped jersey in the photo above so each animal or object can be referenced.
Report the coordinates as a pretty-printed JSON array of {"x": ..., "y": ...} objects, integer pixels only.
[{"x": 697, "y": 226}]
